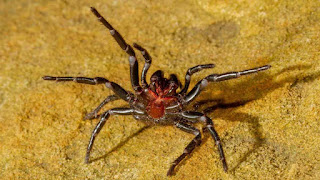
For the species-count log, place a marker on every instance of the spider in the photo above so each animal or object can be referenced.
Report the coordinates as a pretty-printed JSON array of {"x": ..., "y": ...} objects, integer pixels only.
[{"x": 156, "y": 103}]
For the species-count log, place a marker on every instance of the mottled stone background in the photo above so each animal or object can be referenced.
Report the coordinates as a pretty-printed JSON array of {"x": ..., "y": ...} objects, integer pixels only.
[{"x": 275, "y": 135}]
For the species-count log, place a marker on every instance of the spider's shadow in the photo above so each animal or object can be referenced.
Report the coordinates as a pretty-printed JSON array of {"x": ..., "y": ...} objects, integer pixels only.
[
  {"x": 260, "y": 91},
  {"x": 256, "y": 131},
  {"x": 118, "y": 146},
  {"x": 253, "y": 121}
]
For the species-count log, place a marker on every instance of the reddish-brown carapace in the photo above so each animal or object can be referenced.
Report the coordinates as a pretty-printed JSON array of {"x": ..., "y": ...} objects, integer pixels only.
[
  {"x": 157, "y": 102},
  {"x": 160, "y": 94}
]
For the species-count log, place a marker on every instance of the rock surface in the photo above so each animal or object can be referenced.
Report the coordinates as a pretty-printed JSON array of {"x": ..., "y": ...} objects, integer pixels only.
[{"x": 274, "y": 135}]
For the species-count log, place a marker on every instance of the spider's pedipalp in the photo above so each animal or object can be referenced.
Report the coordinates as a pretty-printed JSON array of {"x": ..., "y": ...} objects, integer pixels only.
[
  {"x": 147, "y": 64},
  {"x": 190, "y": 72}
]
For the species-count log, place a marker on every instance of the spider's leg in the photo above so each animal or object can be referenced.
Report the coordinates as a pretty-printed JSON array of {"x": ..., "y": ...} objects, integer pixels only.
[
  {"x": 117, "y": 89},
  {"x": 104, "y": 118},
  {"x": 190, "y": 147},
  {"x": 93, "y": 114},
  {"x": 146, "y": 66},
  {"x": 209, "y": 125},
  {"x": 192, "y": 71},
  {"x": 219, "y": 77},
  {"x": 84, "y": 80},
  {"x": 126, "y": 47}
]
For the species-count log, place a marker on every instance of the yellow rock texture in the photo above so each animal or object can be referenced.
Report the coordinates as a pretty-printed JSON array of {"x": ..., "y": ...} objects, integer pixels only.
[{"x": 275, "y": 135}]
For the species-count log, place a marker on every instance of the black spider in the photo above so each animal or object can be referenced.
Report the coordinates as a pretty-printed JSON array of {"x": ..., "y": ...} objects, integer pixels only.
[{"x": 157, "y": 102}]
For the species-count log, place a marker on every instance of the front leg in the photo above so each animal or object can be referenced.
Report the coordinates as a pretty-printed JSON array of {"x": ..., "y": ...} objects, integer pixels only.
[
  {"x": 126, "y": 47},
  {"x": 191, "y": 146}
]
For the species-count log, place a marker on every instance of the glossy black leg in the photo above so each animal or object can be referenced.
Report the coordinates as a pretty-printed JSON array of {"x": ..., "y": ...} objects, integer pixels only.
[
  {"x": 190, "y": 147},
  {"x": 219, "y": 77},
  {"x": 209, "y": 125},
  {"x": 146, "y": 66},
  {"x": 190, "y": 72},
  {"x": 94, "y": 113},
  {"x": 126, "y": 47},
  {"x": 104, "y": 118},
  {"x": 117, "y": 89},
  {"x": 83, "y": 80}
]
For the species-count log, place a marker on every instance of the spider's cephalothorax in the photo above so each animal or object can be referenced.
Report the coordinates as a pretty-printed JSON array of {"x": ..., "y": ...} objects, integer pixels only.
[
  {"x": 160, "y": 94},
  {"x": 157, "y": 102}
]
